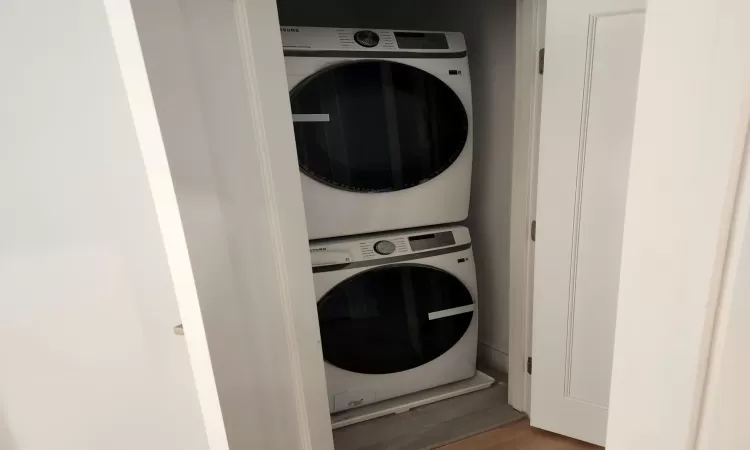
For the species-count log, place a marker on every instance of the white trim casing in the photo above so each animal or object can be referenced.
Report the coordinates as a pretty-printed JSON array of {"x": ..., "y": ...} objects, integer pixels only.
[
  {"x": 260, "y": 41},
  {"x": 726, "y": 390},
  {"x": 530, "y": 19}
]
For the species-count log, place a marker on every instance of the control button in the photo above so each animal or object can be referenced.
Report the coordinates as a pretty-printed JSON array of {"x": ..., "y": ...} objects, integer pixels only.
[
  {"x": 385, "y": 247},
  {"x": 366, "y": 38}
]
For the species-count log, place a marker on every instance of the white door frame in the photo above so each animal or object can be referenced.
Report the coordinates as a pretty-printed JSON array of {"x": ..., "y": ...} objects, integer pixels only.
[
  {"x": 271, "y": 390},
  {"x": 530, "y": 20}
]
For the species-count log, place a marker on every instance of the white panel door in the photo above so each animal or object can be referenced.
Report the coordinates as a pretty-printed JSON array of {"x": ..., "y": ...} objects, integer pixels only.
[{"x": 591, "y": 77}]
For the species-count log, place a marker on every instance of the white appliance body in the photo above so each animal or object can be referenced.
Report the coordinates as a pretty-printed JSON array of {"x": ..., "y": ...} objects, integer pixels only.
[
  {"x": 397, "y": 323},
  {"x": 422, "y": 174}
]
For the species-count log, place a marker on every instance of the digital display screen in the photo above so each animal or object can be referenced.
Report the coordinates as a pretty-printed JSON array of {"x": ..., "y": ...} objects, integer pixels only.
[
  {"x": 424, "y": 41},
  {"x": 434, "y": 240},
  {"x": 422, "y": 237}
]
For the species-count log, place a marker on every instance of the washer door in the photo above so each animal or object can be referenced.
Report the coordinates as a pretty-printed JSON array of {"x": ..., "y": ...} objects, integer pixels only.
[
  {"x": 376, "y": 126},
  {"x": 393, "y": 318}
]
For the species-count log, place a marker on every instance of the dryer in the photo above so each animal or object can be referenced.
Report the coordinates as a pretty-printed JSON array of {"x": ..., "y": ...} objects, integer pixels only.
[
  {"x": 383, "y": 127},
  {"x": 397, "y": 313}
]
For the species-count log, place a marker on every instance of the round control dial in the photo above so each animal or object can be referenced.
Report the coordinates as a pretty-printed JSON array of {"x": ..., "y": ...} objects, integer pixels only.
[
  {"x": 367, "y": 38},
  {"x": 385, "y": 247}
]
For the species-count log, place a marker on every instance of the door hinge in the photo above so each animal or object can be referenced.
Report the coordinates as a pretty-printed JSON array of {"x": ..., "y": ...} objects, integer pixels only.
[
  {"x": 528, "y": 365},
  {"x": 533, "y": 230},
  {"x": 541, "y": 61}
]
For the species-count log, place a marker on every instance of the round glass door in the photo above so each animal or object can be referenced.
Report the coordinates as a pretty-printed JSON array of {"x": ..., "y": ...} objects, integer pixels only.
[
  {"x": 376, "y": 126},
  {"x": 393, "y": 319}
]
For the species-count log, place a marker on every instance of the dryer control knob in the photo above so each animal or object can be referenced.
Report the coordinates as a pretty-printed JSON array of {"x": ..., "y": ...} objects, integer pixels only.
[
  {"x": 385, "y": 247},
  {"x": 367, "y": 38}
]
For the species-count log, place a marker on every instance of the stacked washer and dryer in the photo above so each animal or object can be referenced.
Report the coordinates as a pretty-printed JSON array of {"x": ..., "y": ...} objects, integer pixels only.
[{"x": 383, "y": 127}]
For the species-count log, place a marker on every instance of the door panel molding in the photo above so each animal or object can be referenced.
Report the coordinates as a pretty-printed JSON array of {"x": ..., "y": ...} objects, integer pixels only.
[{"x": 583, "y": 141}]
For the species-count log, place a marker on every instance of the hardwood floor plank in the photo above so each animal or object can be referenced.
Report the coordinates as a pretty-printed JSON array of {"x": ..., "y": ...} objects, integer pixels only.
[{"x": 519, "y": 436}]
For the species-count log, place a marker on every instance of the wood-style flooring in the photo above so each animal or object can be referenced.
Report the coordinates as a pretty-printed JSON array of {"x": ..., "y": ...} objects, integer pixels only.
[{"x": 519, "y": 436}]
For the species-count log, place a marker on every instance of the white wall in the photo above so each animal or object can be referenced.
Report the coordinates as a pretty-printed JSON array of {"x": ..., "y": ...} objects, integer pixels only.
[
  {"x": 87, "y": 306},
  {"x": 489, "y": 28}
]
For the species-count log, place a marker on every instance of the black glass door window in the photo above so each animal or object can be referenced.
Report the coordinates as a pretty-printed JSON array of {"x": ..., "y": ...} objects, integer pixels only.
[
  {"x": 378, "y": 321},
  {"x": 376, "y": 126}
]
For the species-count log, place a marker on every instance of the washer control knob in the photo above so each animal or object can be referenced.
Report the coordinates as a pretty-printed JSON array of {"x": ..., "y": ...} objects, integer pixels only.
[
  {"x": 367, "y": 38},
  {"x": 385, "y": 247}
]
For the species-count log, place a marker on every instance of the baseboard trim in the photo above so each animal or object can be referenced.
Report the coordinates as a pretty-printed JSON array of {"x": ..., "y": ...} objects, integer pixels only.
[{"x": 492, "y": 357}]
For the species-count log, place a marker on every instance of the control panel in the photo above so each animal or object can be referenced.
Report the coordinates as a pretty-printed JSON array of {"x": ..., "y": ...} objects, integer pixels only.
[
  {"x": 342, "y": 251},
  {"x": 352, "y": 39}
]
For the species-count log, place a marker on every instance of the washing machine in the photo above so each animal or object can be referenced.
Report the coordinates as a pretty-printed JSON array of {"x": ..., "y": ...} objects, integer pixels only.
[
  {"x": 397, "y": 313},
  {"x": 383, "y": 127}
]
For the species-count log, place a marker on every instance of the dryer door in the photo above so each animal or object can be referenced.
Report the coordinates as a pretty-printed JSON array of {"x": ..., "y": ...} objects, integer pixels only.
[
  {"x": 393, "y": 318},
  {"x": 376, "y": 126}
]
